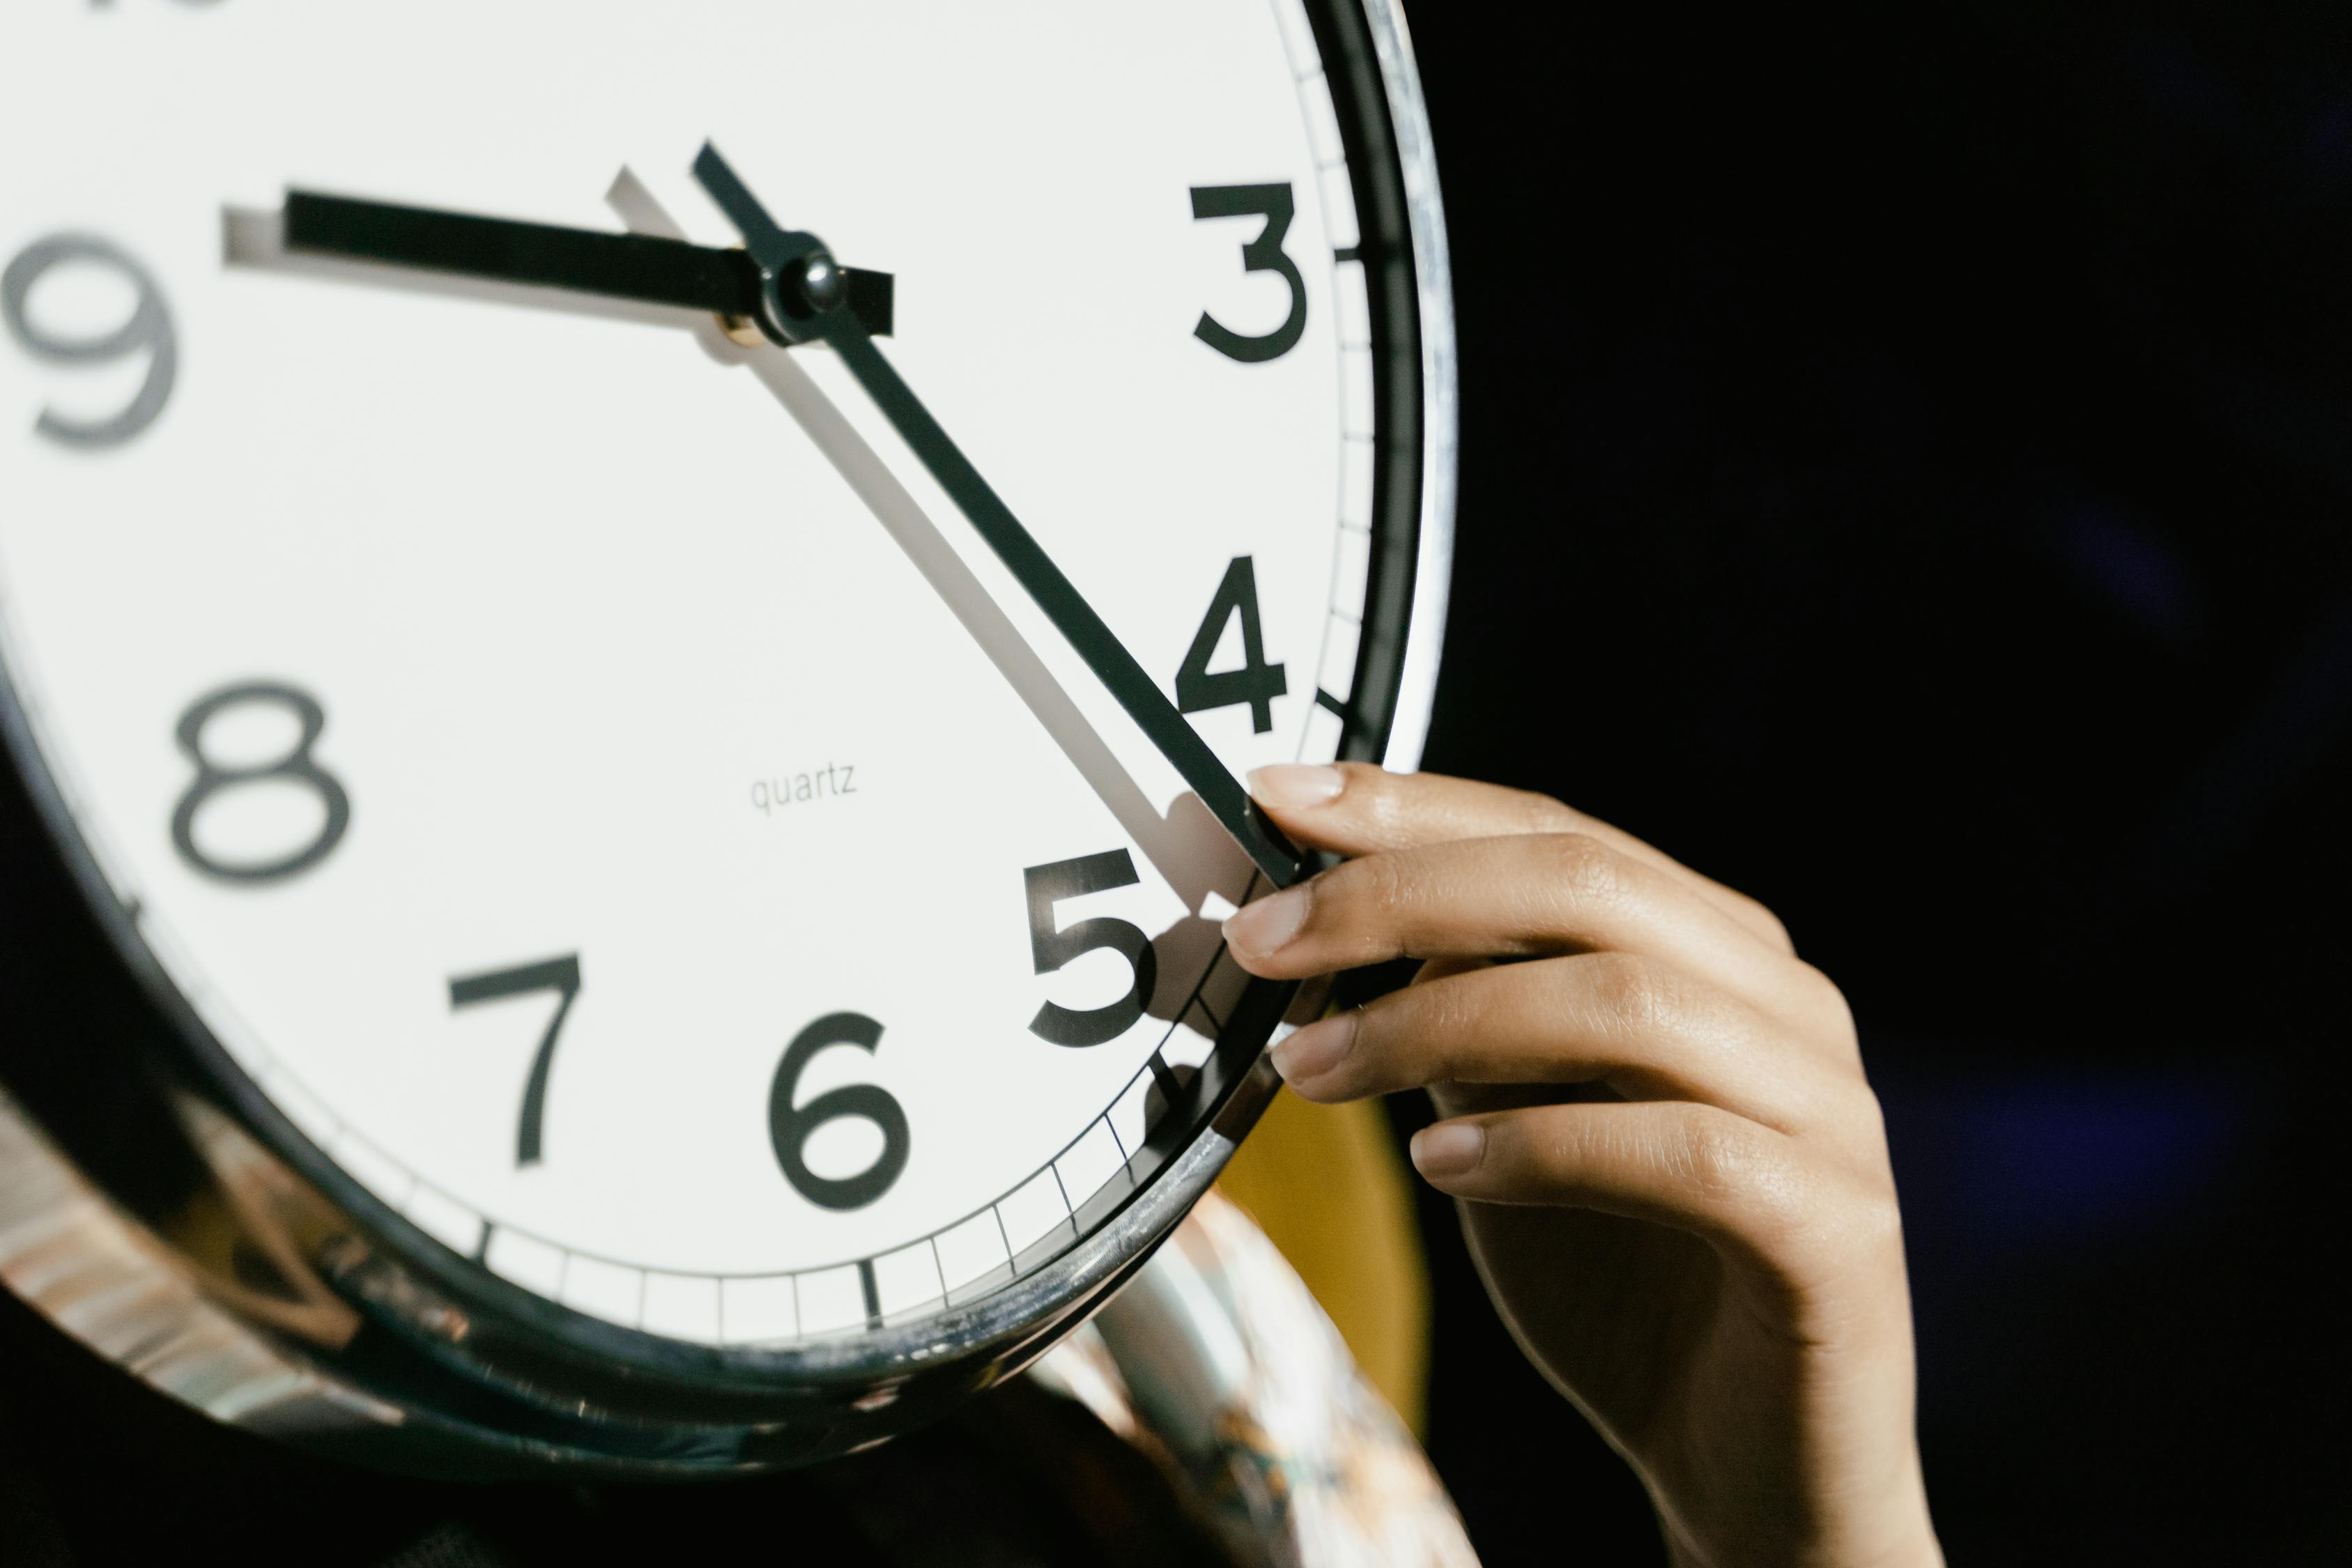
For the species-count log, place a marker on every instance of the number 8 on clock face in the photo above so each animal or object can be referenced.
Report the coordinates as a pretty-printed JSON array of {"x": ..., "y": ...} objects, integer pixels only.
[{"x": 576, "y": 780}]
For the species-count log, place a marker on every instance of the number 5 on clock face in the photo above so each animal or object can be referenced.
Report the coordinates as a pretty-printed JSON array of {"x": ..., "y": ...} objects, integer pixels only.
[{"x": 1048, "y": 886}]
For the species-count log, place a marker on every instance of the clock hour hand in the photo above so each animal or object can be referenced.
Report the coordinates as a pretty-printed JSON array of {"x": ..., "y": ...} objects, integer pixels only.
[
  {"x": 641, "y": 267},
  {"x": 803, "y": 300}
]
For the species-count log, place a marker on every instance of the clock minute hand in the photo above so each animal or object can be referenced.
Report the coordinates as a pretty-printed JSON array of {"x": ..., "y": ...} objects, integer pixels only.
[
  {"x": 802, "y": 303},
  {"x": 637, "y": 267},
  {"x": 1075, "y": 618}
]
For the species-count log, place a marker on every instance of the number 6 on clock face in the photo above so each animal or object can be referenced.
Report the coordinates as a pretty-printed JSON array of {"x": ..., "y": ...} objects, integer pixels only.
[{"x": 792, "y": 1126}]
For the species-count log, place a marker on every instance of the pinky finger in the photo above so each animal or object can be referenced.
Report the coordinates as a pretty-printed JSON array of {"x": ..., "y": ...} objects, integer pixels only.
[{"x": 1696, "y": 1168}]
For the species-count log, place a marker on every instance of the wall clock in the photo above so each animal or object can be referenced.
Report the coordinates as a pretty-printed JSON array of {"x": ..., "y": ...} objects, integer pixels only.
[{"x": 628, "y": 632}]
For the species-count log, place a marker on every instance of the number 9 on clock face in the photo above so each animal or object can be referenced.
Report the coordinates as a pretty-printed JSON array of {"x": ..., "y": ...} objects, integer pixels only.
[{"x": 580, "y": 791}]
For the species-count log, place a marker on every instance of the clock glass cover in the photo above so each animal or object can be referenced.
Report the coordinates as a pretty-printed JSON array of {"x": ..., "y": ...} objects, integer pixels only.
[{"x": 580, "y": 784}]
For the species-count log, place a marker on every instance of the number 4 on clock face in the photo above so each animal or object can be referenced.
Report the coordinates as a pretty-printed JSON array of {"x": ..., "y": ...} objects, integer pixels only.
[{"x": 1256, "y": 682}]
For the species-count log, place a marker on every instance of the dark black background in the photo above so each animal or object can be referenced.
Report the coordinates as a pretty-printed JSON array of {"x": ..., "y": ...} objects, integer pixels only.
[{"x": 1906, "y": 473}]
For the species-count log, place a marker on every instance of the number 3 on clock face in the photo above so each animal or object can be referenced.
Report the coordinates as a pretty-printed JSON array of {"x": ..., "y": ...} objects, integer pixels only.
[{"x": 558, "y": 815}]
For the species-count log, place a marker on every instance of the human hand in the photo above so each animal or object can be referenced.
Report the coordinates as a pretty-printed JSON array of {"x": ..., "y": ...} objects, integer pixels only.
[{"x": 1671, "y": 1170}]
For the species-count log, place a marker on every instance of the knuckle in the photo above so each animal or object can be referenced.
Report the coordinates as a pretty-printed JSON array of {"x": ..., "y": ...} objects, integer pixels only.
[
  {"x": 1716, "y": 1162},
  {"x": 1775, "y": 929},
  {"x": 1878, "y": 1217},
  {"x": 1634, "y": 992},
  {"x": 1380, "y": 800},
  {"x": 1382, "y": 886},
  {"x": 1756, "y": 914},
  {"x": 1542, "y": 814},
  {"x": 1443, "y": 1032},
  {"x": 1867, "y": 1120},
  {"x": 1827, "y": 1006},
  {"x": 1362, "y": 898},
  {"x": 1423, "y": 1034},
  {"x": 1861, "y": 1221},
  {"x": 1732, "y": 1166},
  {"x": 1841, "y": 1115},
  {"x": 1580, "y": 864}
]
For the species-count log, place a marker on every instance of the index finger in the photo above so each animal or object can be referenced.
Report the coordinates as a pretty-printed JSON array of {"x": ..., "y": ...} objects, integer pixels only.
[{"x": 1356, "y": 808}]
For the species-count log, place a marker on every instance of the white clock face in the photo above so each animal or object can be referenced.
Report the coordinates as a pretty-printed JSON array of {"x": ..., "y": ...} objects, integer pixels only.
[{"x": 586, "y": 774}]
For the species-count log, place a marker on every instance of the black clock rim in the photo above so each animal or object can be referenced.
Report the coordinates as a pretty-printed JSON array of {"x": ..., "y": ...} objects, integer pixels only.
[{"x": 520, "y": 1380}]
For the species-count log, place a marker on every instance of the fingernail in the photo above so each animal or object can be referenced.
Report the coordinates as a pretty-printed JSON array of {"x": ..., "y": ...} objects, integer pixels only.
[
  {"x": 1316, "y": 1048},
  {"x": 1267, "y": 926},
  {"x": 1448, "y": 1149},
  {"x": 1294, "y": 786}
]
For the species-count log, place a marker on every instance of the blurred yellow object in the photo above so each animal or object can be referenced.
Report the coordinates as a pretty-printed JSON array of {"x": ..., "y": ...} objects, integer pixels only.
[{"x": 1325, "y": 1183}]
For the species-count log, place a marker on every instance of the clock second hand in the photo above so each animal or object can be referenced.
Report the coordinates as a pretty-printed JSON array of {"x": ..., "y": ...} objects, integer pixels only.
[{"x": 805, "y": 302}]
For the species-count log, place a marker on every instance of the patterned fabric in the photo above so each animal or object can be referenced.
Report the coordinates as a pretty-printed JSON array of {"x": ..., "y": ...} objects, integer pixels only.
[
  {"x": 1210, "y": 1417},
  {"x": 1328, "y": 1186},
  {"x": 1218, "y": 1362},
  {"x": 447, "y": 1546}
]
